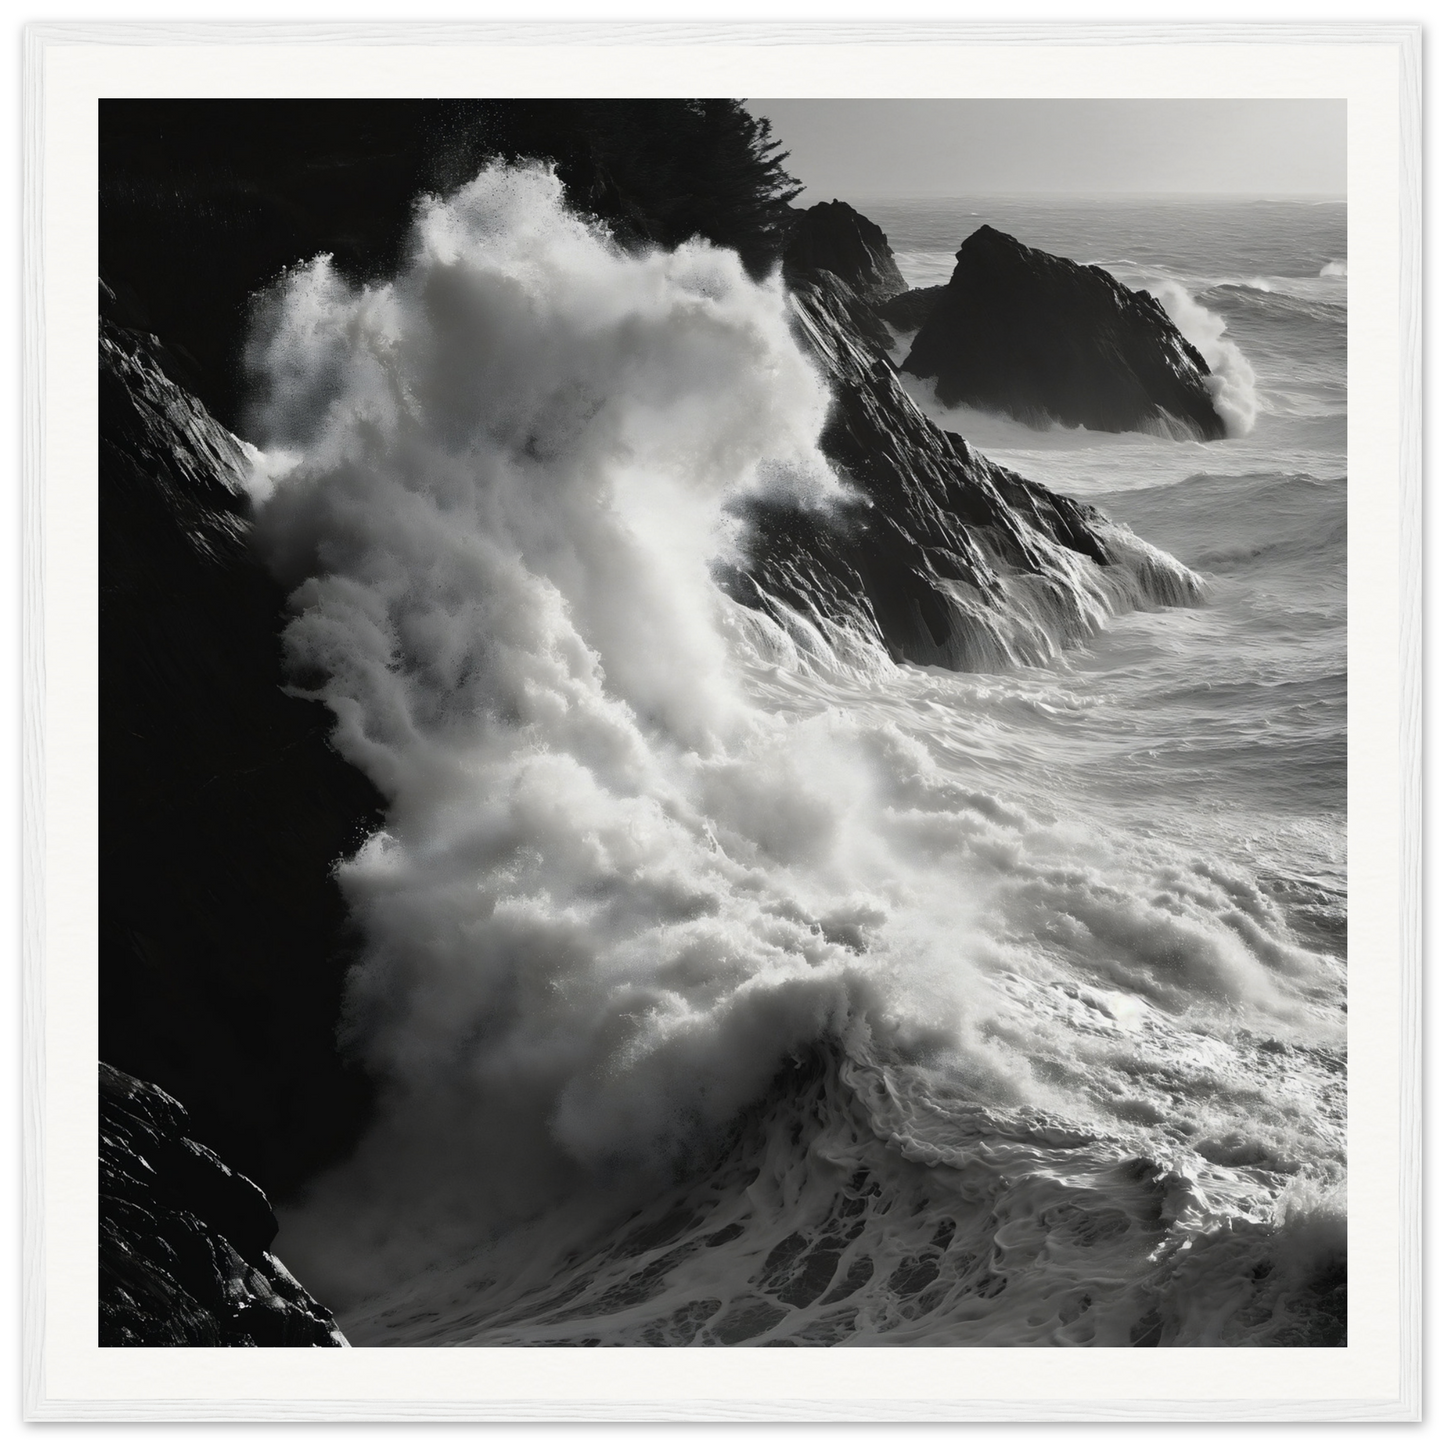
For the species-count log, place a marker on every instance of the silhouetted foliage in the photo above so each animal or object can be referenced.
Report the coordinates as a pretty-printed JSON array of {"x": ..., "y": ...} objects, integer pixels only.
[{"x": 204, "y": 201}]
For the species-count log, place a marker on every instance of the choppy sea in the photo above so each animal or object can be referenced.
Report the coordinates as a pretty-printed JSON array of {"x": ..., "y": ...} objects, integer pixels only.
[{"x": 726, "y": 997}]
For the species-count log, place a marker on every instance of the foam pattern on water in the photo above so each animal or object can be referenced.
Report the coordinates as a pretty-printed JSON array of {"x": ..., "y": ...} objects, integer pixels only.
[
  {"x": 645, "y": 851},
  {"x": 867, "y": 1206}
]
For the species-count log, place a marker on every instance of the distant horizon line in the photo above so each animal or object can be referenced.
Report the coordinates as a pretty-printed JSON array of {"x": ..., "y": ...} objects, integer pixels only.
[{"x": 1304, "y": 197}]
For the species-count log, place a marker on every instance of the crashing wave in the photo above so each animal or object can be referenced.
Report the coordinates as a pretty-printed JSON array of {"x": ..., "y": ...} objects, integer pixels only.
[{"x": 618, "y": 890}]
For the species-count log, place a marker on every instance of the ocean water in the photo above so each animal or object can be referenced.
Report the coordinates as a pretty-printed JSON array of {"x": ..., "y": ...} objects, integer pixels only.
[
  {"x": 725, "y": 992},
  {"x": 1243, "y": 718}
]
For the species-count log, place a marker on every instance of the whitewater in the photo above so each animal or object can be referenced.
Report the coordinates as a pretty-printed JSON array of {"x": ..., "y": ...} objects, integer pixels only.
[{"x": 728, "y": 984}]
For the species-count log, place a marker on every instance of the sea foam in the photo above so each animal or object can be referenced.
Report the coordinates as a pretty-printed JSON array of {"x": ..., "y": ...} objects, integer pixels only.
[
  {"x": 632, "y": 867},
  {"x": 1231, "y": 383}
]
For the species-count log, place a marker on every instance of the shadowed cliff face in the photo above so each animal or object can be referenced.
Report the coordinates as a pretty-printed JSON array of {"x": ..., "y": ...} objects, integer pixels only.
[
  {"x": 202, "y": 202},
  {"x": 908, "y": 311},
  {"x": 1043, "y": 339},
  {"x": 222, "y": 806}
]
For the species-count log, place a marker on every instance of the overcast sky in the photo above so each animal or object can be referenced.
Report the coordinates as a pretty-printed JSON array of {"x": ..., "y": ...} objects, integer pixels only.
[{"x": 863, "y": 148}]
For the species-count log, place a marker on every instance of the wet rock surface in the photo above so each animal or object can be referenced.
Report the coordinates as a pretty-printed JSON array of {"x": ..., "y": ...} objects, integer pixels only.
[
  {"x": 909, "y": 310},
  {"x": 942, "y": 557},
  {"x": 184, "y": 1239}
]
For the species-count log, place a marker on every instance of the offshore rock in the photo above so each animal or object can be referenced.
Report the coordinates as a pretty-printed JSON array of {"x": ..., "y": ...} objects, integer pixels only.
[
  {"x": 832, "y": 236},
  {"x": 184, "y": 1239},
  {"x": 942, "y": 557},
  {"x": 224, "y": 938},
  {"x": 1044, "y": 339},
  {"x": 908, "y": 311}
]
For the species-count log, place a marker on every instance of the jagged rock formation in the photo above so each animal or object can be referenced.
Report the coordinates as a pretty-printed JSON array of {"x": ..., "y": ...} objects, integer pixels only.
[
  {"x": 184, "y": 1239},
  {"x": 945, "y": 558},
  {"x": 908, "y": 311},
  {"x": 1041, "y": 338},
  {"x": 224, "y": 939},
  {"x": 223, "y": 807},
  {"x": 832, "y": 236}
]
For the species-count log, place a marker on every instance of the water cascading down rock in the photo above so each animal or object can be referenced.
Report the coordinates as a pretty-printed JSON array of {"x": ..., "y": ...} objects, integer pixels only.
[{"x": 943, "y": 558}]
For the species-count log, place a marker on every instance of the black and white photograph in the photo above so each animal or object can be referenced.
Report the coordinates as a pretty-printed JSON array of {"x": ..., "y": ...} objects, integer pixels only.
[{"x": 723, "y": 723}]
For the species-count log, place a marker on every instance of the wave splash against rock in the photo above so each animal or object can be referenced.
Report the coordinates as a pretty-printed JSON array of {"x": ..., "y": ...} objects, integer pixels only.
[{"x": 1044, "y": 340}]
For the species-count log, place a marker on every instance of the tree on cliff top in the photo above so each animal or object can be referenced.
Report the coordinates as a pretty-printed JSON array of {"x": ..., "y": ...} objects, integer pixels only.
[
  {"x": 671, "y": 170},
  {"x": 654, "y": 170},
  {"x": 204, "y": 201}
]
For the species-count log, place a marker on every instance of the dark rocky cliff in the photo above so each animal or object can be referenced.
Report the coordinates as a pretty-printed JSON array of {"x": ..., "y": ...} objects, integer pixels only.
[
  {"x": 944, "y": 558},
  {"x": 832, "y": 236},
  {"x": 224, "y": 941},
  {"x": 184, "y": 1239},
  {"x": 204, "y": 201},
  {"x": 908, "y": 311},
  {"x": 222, "y": 806},
  {"x": 1041, "y": 338}
]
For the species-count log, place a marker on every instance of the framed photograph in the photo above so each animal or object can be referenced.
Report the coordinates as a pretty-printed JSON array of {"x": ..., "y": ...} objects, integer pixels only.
[{"x": 700, "y": 697}]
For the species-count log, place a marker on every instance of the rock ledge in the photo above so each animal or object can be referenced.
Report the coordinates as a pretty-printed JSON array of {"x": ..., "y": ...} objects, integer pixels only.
[{"x": 184, "y": 1240}]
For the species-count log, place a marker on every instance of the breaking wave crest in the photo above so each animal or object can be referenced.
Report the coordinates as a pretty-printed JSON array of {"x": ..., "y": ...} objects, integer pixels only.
[
  {"x": 848, "y": 1209},
  {"x": 637, "y": 868},
  {"x": 1232, "y": 382}
]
